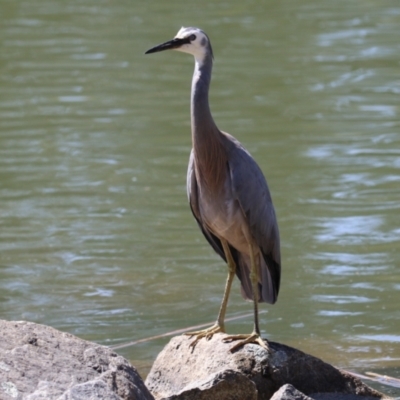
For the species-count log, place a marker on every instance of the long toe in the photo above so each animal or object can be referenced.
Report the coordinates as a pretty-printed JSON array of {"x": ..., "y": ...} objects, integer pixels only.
[
  {"x": 205, "y": 333},
  {"x": 244, "y": 339}
]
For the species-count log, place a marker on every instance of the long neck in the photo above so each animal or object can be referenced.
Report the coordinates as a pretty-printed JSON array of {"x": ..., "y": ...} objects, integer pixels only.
[
  {"x": 210, "y": 157},
  {"x": 201, "y": 116}
]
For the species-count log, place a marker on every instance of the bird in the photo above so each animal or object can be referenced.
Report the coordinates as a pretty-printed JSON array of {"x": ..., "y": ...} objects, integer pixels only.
[{"x": 229, "y": 198}]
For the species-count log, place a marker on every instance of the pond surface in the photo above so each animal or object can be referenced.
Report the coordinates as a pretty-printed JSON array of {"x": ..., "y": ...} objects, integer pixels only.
[{"x": 97, "y": 238}]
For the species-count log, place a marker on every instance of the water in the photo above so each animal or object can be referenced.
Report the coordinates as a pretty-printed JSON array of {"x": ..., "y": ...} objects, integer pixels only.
[{"x": 96, "y": 235}]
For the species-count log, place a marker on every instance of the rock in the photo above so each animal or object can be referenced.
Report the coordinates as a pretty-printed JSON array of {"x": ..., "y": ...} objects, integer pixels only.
[
  {"x": 343, "y": 396},
  {"x": 38, "y": 362},
  {"x": 94, "y": 389},
  {"x": 289, "y": 392},
  {"x": 210, "y": 371}
]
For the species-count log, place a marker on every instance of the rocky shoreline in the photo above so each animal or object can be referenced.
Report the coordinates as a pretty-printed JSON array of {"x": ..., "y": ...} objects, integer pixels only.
[{"x": 38, "y": 362}]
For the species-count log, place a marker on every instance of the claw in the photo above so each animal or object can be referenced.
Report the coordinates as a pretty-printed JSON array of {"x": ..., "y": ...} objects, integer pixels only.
[
  {"x": 205, "y": 333},
  {"x": 244, "y": 339}
]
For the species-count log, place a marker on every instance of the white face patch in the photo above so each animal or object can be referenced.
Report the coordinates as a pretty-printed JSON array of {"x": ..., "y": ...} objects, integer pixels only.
[{"x": 198, "y": 47}]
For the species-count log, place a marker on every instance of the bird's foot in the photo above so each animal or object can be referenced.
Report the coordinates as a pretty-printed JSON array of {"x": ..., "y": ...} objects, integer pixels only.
[
  {"x": 244, "y": 339},
  {"x": 205, "y": 333}
]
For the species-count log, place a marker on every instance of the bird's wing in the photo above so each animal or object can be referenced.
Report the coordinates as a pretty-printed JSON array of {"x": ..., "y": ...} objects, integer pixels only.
[
  {"x": 250, "y": 189},
  {"x": 192, "y": 192}
]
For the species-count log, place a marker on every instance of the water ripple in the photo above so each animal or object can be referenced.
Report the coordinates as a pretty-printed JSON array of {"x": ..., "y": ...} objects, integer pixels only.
[
  {"x": 356, "y": 229},
  {"x": 342, "y": 299}
]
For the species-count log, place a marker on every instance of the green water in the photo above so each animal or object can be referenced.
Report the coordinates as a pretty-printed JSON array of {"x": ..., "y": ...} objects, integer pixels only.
[{"x": 97, "y": 238}]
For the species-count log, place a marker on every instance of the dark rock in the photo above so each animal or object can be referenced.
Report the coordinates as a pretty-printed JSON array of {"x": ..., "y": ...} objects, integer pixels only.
[
  {"x": 38, "y": 362},
  {"x": 184, "y": 372},
  {"x": 289, "y": 392},
  {"x": 340, "y": 396}
]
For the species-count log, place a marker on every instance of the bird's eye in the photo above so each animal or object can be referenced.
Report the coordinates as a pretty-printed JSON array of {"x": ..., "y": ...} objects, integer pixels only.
[{"x": 192, "y": 38}]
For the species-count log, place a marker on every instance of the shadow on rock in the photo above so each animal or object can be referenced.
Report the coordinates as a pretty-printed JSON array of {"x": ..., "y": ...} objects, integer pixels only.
[{"x": 210, "y": 371}]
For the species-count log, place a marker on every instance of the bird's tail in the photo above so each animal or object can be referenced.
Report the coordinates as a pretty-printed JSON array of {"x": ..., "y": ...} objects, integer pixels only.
[{"x": 267, "y": 287}]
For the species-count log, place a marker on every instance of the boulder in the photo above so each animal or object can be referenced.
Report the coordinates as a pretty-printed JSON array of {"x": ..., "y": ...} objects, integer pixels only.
[
  {"x": 38, "y": 362},
  {"x": 210, "y": 371},
  {"x": 289, "y": 392}
]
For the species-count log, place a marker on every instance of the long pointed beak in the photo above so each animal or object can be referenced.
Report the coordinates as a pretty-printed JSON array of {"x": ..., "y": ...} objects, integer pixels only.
[{"x": 171, "y": 44}]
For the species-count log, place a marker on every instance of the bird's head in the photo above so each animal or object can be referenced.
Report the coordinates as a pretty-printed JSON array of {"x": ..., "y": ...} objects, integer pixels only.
[{"x": 188, "y": 40}]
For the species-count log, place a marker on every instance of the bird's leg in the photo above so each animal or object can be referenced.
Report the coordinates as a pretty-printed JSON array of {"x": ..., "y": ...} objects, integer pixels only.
[
  {"x": 255, "y": 336},
  {"x": 219, "y": 325}
]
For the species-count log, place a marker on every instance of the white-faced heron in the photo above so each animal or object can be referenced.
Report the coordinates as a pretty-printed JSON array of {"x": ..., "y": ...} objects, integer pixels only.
[{"x": 229, "y": 197}]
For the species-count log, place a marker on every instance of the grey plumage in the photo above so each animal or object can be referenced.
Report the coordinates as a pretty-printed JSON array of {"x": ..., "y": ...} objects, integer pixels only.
[
  {"x": 260, "y": 218},
  {"x": 228, "y": 194}
]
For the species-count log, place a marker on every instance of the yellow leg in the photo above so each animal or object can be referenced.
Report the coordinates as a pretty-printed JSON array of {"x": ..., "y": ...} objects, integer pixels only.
[
  {"x": 255, "y": 336},
  {"x": 219, "y": 326}
]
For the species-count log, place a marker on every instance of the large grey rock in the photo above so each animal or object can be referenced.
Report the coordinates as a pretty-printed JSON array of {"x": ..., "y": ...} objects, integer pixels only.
[
  {"x": 182, "y": 372},
  {"x": 40, "y": 363}
]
